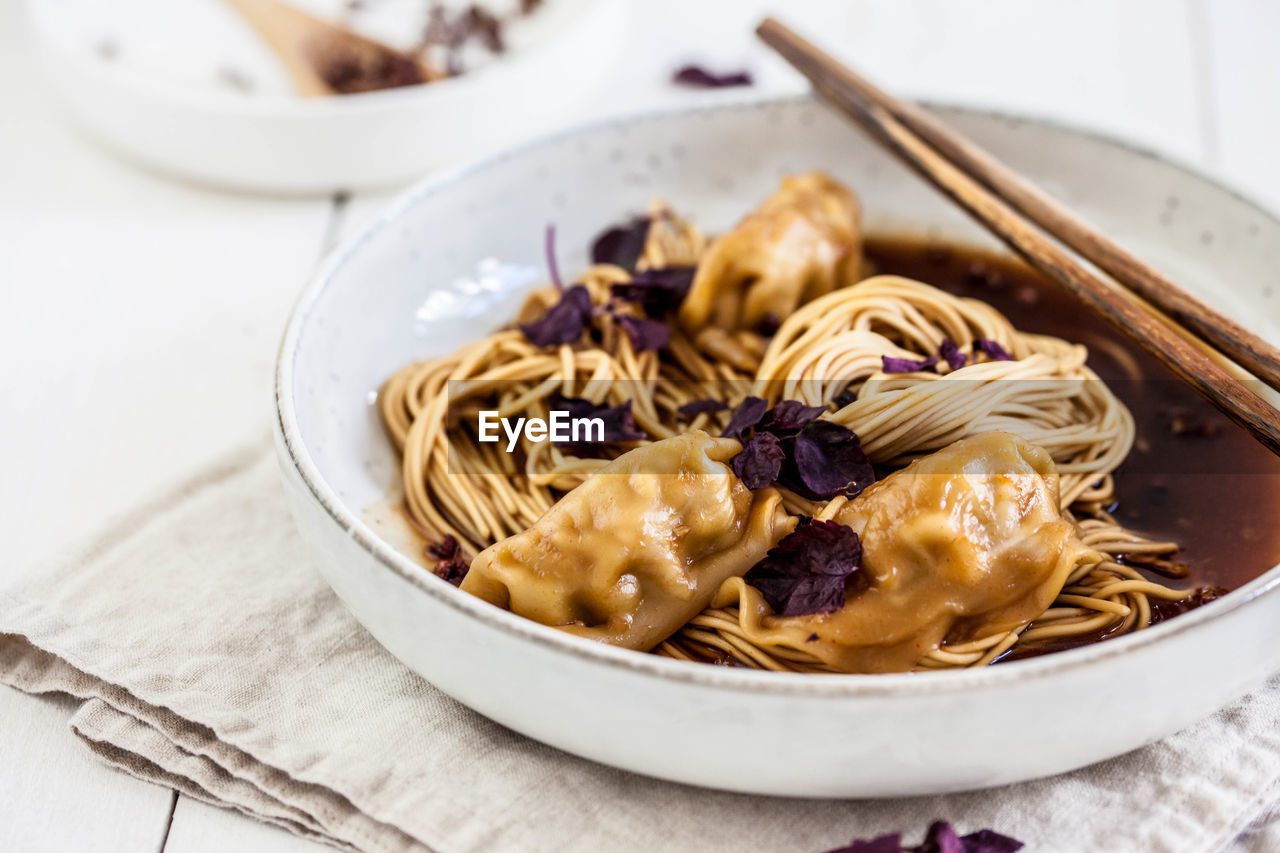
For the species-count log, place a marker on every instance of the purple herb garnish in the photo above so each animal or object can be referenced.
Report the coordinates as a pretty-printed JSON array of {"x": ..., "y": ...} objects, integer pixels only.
[
  {"x": 951, "y": 354},
  {"x": 619, "y": 425},
  {"x": 656, "y": 291},
  {"x": 549, "y": 247},
  {"x": 564, "y": 322},
  {"x": 826, "y": 460},
  {"x": 693, "y": 408},
  {"x": 760, "y": 460},
  {"x": 747, "y": 415},
  {"x": 697, "y": 77},
  {"x": 889, "y": 364},
  {"x": 621, "y": 245},
  {"x": 940, "y": 838},
  {"x": 806, "y": 572},
  {"x": 450, "y": 564},
  {"x": 787, "y": 417},
  {"x": 645, "y": 334},
  {"x": 993, "y": 350}
]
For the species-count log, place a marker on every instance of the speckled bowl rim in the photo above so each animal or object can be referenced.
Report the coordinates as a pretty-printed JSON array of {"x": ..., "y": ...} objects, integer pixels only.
[{"x": 653, "y": 666}]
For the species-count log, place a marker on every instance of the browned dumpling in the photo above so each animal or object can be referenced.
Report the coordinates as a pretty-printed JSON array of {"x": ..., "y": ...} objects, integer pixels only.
[
  {"x": 804, "y": 241},
  {"x": 637, "y": 550},
  {"x": 968, "y": 541}
]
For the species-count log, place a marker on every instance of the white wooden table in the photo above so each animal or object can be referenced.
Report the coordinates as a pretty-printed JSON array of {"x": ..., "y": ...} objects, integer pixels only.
[{"x": 139, "y": 317}]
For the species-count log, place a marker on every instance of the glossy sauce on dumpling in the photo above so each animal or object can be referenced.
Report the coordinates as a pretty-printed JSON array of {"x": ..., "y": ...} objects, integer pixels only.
[
  {"x": 637, "y": 550},
  {"x": 966, "y": 542},
  {"x": 803, "y": 241}
]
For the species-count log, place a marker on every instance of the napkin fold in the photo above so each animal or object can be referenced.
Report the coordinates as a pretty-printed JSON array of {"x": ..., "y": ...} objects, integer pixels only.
[{"x": 213, "y": 659}]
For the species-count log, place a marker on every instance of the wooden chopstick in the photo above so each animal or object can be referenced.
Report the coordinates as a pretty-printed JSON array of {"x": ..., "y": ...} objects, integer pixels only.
[
  {"x": 1241, "y": 345},
  {"x": 1128, "y": 314}
]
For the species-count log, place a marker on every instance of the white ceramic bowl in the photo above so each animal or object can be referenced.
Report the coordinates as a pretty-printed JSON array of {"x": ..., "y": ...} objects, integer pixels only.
[
  {"x": 812, "y": 735},
  {"x": 157, "y": 113}
]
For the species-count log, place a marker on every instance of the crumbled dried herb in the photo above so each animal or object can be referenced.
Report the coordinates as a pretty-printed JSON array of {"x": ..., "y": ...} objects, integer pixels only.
[
  {"x": 698, "y": 77},
  {"x": 807, "y": 571},
  {"x": 450, "y": 564},
  {"x": 349, "y": 69}
]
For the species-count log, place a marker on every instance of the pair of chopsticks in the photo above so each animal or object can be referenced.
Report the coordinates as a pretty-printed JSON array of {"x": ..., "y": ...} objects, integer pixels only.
[{"x": 1184, "y": 334}]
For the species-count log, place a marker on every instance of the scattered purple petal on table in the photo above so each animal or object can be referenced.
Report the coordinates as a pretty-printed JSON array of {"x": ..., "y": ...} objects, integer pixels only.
[{"x": 697, "y": 77}]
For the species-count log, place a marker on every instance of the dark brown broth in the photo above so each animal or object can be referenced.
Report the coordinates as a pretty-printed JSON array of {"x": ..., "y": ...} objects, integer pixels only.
[{"x": 1193, "y": 476}]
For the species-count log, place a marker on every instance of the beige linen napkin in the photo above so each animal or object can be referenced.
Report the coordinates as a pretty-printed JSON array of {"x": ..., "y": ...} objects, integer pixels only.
[{"x": 212, "y": 658}]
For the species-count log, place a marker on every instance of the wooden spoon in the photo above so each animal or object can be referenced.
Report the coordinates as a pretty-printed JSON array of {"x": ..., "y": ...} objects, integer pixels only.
[{"x": 327, "y": 59}]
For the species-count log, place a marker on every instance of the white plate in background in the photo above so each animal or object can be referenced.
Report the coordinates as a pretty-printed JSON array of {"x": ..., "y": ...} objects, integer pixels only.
[{"x": 162, "y": 82}]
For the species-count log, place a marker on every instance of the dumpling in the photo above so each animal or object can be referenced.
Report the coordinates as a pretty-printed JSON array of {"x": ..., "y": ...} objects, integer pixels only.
[
  {"x": 637, "y": 550},
  {"x": 961, "y": 544},
  {"x": 803, "y": 241}
]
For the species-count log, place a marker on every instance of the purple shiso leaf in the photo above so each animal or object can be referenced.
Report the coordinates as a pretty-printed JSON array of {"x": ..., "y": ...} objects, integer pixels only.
[
  {"x": 656, "y": 291},
  {"x": 941, "y": 837},
  {"x": 759, "y": 461},
  {"x": 621, "y": 245},
  {"x": 844, "y": 398},
  {"x": 989, "y": 841},
  {"x": 693, "y": 408},
  {"x": 549, "y": 248},
  {"x": 695, "y": 76},
  {"x": 826, "y": 460},
  {"x": 889, "y": 364},
  {"x": 788, "y": 416},
  {"x": 619, "y": 425},
  {"x": 993, "y": 350},
  {"x": 564, "y": 322},
  {"x": 806, "y": 572},
  {"x": 891, "y": 843},
  {"x": 645, "y": 334},
  {"x": 951, "y": 354},
  {"x": 747, "y": 415}
]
